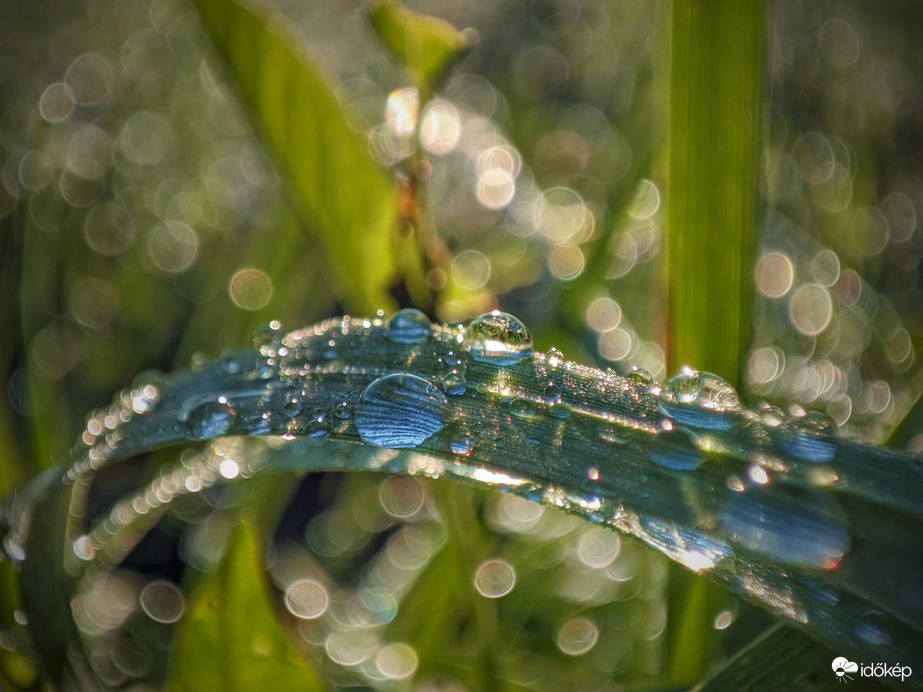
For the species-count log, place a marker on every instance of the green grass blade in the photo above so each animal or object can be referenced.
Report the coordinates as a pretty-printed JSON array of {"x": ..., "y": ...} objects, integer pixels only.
[
  {"x": 425, "y": 45},
  {"x": 230, "y": 638},
  {"x": 345, "y": 199},
  {"x": 717, "y": 102}
]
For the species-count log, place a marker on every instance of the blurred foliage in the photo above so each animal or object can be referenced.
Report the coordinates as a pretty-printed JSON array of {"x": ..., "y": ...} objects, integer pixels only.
[{"x": 142, "y": 225}]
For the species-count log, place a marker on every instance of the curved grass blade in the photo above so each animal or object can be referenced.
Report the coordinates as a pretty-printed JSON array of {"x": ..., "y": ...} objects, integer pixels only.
[
  {"x": 345, "y": 199},
  {"x": 819, "y": 530}
]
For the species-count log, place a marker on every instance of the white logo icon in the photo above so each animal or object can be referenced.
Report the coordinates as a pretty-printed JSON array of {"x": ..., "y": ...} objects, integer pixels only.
[{"x": 842, "y": 666}]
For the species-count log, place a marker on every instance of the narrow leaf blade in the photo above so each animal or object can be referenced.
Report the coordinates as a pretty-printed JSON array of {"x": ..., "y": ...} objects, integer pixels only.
[{"x": 344, "y": 197}]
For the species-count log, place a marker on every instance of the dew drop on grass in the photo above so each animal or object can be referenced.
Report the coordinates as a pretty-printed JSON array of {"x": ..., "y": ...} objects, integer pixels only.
[
  {"x": 400, "y": 411},
  {"x": 554, "y": 359},
  {"x": 498, "y": 338},
  {"x": 790, "y": 525},
  {"x": 523, "y": 408},
  {"x": 211, "y": 419},
  {"x": 640, "y": 376},
  {"x": 453, "y": 382},
  {"x": 700, "y": 399},
  {"x": 408, "y": 326},
  {"x": 676, "y": 449}
]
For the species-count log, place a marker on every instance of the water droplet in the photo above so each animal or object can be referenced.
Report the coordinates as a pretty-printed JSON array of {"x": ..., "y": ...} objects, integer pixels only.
[
  {"x": 316, "y": 430},
  {"x": 267, "y": 335},
  {"x": 523, "y": 408},
  {"x": 817, "y": 422},
  {"x": 342, "y": 411},
  {"x": 552, "y": 393},
  {"x": 676, "y": 449},
  {"x": 809, "y": 448},
  {"x": 689, "y": 547},
  {"x": 554, "y": 359},
  {"x": 400, "y": 411},
  {"x": 700, "y": 400},
  {"x": 639, "y": 376},
  {"x": 408, "y": 326},
  {"x": 292, "y": 407},
  {"x": 453, "y": 382},
  {"x": 211, "y": 419},
  {"x": 495, "y": 578},
  {"x": 792, "y": 525},
  {"x": 462, "y": 444},
  {"x": 498, "y": 338}
]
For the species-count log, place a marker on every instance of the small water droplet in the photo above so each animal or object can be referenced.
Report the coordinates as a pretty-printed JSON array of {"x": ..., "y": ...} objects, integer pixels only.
[
  {"x": 211, "y": 419},
  {"x": 817, "y": 422},
  {"x": 267, "y": 335},
  {"x": 789, "y": 524},
  {"x": 498, "y": 338},
  {"x": 453, "y": 382},
  {"x": 676, "y": 449},
  {"x": 554, "y": 359},
  {"x": 408, "y": 326},
  {"x": 342, "y": 411},
  {"x": 292, "y": 407},
  {"x": 639, "y": 376},
  {"x": 552, "y": 393},
  {"x": 400, "y": 411},
  {"x": 462, "y": 444},
  {"x": 523, "y": 408},
  {"x": 613, "y": 435}
]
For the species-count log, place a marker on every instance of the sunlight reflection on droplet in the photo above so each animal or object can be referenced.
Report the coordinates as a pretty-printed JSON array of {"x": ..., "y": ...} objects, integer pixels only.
[
  {"x": 56, "y": 103},
  {"x": 604, "y": 314},
  {"x": 172, "y": 246},
  {"x": 471, "y": 269},
  {"x": 646, "y": 201},
  {"x": 250, "y": 289},
  {"x": 401, "y": 111},
  {"x": 811, "y": 309},
  {"x": 774, "y": 274},
  {"x": 577, "y": 636},
  {"x": 397, "y": 661},
  {"x": 566, "y": 262},
  {"x": 229, "y": 469},
  {"x": 441, "y": 128},
  {"x": 401, "y": 496},
  {"x": 306, "y": 599},
  {"x": 162, "y": 601},
  {"x": 495, "y": 578},
  {"x": 723, "y": 620}
]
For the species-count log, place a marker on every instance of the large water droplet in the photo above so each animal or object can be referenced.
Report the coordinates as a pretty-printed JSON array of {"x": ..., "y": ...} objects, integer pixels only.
[
  {"x": 408, "y": 326},
  {"x": 498, "y": 338},
  {"x": 791, "y": 525},
  {"x": 554, "y": 359},
  {"x": 400, "y": 411},
  {"x": 700, "y": 399},
  {"x": 640, "y": 376},
  {"x": 523, "y": 408},
  {"x": 211, "y": 419}
]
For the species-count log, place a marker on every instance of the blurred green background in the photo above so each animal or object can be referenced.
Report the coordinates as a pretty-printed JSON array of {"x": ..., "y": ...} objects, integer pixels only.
[{"x": 168, "y": 186}]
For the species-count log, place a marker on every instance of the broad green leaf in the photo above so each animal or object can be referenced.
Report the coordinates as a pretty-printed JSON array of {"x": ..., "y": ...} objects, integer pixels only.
[
  {"x": 718, "y": 101},
  {"x": 425, "y": 45},
  {"x": 345, "y": 199},
  {"x": 230, "y": 638}
]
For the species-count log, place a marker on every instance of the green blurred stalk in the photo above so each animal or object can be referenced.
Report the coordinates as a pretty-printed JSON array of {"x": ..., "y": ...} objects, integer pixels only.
[{"x": 718, "y": 105}]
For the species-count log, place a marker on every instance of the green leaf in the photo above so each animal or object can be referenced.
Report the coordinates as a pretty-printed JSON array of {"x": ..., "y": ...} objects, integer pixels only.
[
  {"x": 425, "y": 45},
  {"x": 345, "y": 198},
  {"x": 230, "y": 638},
  {"x": 718, "y": 101}
]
